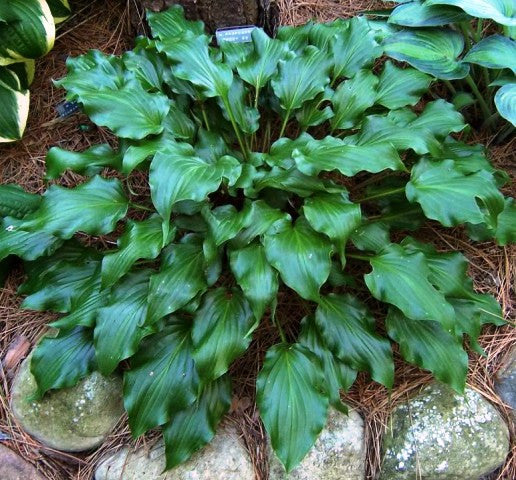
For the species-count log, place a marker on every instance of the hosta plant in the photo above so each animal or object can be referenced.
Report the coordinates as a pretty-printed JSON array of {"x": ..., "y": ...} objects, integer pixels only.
[
  {"x": 453, "y": 41},
  {"x": 27, "y": 32},
  {"x": 281, "y": 165}
]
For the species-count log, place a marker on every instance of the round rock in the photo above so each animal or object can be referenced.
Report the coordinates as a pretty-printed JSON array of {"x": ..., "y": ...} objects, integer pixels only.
[
  {"x": 339, "y": 452},
  {"x": 72, "y": 419},
  {"x": 440, "y": 435},
  {"x": 13, "y": 467},
  {"x": 225, "y": 458}
]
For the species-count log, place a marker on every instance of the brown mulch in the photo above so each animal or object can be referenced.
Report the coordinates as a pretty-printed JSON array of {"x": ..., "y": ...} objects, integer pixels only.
[{"x": 110, "y": 25}]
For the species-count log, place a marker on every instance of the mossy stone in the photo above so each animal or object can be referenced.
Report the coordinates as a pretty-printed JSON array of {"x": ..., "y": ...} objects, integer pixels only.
[
  {"x": 441, "y": 435},
  {"x": 72, "y": 419}
]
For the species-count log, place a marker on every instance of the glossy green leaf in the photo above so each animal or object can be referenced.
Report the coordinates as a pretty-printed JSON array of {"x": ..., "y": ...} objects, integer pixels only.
[
  {"x": 24, "y": 71},
  {"x": 505, "y": 101},
  {"x": 331, "y": 153},
  {"x": 88, "y": 162},
  {"x": 440, "y": 118},
  {"x": 301, "y": 256},
  {"x": 180, "y": 279},
  {"x": 301, "y": 78},
  {"x": 140, "y": 240},
  {"x": 162, "y": 379},
  {"x": 15, "y": 111},
  {"x": 60, "y": 9},
  {"x": 501, "y": 11},
  {"x": 61, "y": 361},
  {"x": 171, "y": 23},
  {"x": 371, "y": 236},
  {"x": 430, "y": 50},
  {"x": 429, "y": 346},
  {"x": 258, "y": 280},
  {"x": 420, "y": 14},
  {"x": 222, "y": 329},
  {"x": 117, "y": 331},
  {"x": 226, "y": 222},
  {"x": 177, "y": 175},
  {"x": 235, "y": 108},
  {"x": 506, "y": 224},
  {"x": 94, "y": 207},
  {"x": 27, "y": 29},
  {"x": 451, "y": 197},
  {"x": 192, "y": 428},
  {"x": 352, "y": 98},
  {"x": 292, "y": 400},
  {"x": 16, "y": 202},
  {"x": 337, "y": 374},
  {"x": 401, "y": 278},
  {"x": 495, "y": 51},
  {"x": 399, "y": 87},
  {"x": 354, "y": 48},
  {"x": 349, "y": 331}
]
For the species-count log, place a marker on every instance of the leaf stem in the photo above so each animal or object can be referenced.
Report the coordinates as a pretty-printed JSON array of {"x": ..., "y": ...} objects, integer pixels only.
[
  {"x": 205, "y": 117},
  {"x": 387, "y": 193},
  {"x": 243, "y": 145},
  {"x": 481, "y": 101},
  {"x": 141, "y": 207},
  {"x": 450, "y": 87},
  {"x": 358, "y": 257},
  {"x": 284, "y": 125},
  {"x": 277, "y": 323}
]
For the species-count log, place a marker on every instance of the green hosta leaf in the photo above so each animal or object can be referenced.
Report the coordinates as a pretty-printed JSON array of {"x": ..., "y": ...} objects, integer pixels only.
[
  {"x": 60, "y": 9},
  {"x": 429, "y": 346},
  {"x": 55, "y": 283},
  {"x": 177, "y": 175},
  {"x": 352, "y": 98},
  {"x": 93, "y": 207},
  {"x": 171, "y": 23},
  {"x": 440, "y": 118},
  {"x": 333, "y": 215},
  {"x": 27, "y": 29},
  {"x": 349, "y": 331},
  {"x": 506, "y": 224},
  {"x": 118, "y": 332},
  {"x": 354, "y": 48},
  {"x": 505, "y": 101},
  {"x": 140, "y": 240},
  {"x": 501, "y": 11},
  {"x": 162, "y": 379},
  {"x": 401, "y": 278},
  {"x": 419, "y": 14},
  {"x": 247, "y": 118},
  {"x": 226, "y": 222},
  {"x": 62, "y": 361},
  {"x": 130, "y": 111},
  {"x": 180, "y": 279},
  {"x": 15, "y": 110},
  {"x": 495, "y": 51},
  {"x": 295, "y": 36},
  {"x": 221, "y": 332},
  {"x": 337, "y": 374},
  {"x": 311, "y": 114},
  {"x": 331, "y": 153},
  {"x": 292, "y": 401},
  {"x": 89, "y": 162},
  {"x": 259, "y": 67},
  {"x": 399, "y": 87},
  {"x": 430, "y": 50},
  {"x": 451, "y": 197},
  {"x": 302, "y": 256},
  {"x": 371, "y": 236},
  {"x": 26, "y": 245},
  {"x": 16, "y": 202},
  {"x": 146, "y": 63},
  {"x": 192, "y": 428},
  {"x": 301, "y": 78},
  {"x": 194, "y": 64},
  {"x": 258, "y": 280}
]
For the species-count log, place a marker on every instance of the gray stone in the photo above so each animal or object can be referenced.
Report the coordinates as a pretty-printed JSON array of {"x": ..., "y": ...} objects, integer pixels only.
[
  {"x": 13, "y": 467},
  {"x": 440, "y": 435},
  {"x": 339, "y": 452},
  {"x": 505, "y": 384},
  {"x": 225, "y": 458},
  {"x": 72, "y": 419}
]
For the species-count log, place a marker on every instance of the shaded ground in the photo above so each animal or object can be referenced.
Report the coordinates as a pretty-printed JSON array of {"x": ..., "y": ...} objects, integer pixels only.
[{"x": 110, "y": 25}]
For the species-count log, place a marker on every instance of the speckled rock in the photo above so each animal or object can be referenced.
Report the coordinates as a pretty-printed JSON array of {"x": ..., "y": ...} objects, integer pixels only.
[
  {"x": 73, "y": 419},
  {"x": 14, "y": 467},
  {"x": 506, "y": 382},
  {"x": 338, "y": 454},
  {"x": 225, "y": 458},
  {"x": 440, "y": 435}
]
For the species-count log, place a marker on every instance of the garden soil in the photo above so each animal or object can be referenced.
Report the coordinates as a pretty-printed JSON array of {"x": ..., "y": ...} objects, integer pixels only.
[{"x": 111, "y": 25}]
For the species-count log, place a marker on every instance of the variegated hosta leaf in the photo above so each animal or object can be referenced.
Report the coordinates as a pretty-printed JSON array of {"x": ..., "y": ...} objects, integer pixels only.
[
  {"x": 505, "y": 100},
  {"x": 419, "y": 13},
  {"x": 27, "y": 30},
  {"x": 15, "y": 109},
  {"x": 60, "y": 9},
  {"x": 495, "y": 51},
  {"x": 431, "y": 50},
  {"x": 501, "y": 11}
]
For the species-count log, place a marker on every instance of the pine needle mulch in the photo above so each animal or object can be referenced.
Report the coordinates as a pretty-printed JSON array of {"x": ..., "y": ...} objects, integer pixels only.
[{"x": 110, "y": 25}]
